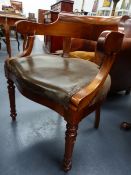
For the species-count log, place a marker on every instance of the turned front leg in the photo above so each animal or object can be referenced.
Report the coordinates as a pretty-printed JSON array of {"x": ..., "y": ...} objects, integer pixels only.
[
  {"x": 70, "y": 138},
  {"x": 11, "y": 91}
]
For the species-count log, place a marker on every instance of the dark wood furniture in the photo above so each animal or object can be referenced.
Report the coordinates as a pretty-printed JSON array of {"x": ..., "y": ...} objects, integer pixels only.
[
  {"x": 17, "y": 6},
  {"x": 63, "y": 5},
  {"x": 53, "y": 43},
  {"x": 31, "y": 17},
  {"x": 41, "y": 15},
  {"x": 8, "y": 21},
  {"x": 71, "y": 87}
]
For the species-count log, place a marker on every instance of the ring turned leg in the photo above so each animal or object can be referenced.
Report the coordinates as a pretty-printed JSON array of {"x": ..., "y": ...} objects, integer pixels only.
[
  {"x": 70, "y": 138},
  {"x": 11, "y": 91},
  {"x": 97, "y": 117}
]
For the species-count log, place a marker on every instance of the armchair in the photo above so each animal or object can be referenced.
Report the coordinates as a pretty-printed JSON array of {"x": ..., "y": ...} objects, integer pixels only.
[{"x": 71, "y": 87}]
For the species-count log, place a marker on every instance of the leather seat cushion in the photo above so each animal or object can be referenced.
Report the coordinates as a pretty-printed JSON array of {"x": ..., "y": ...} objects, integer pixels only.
[{"x": 54, "y": 77}]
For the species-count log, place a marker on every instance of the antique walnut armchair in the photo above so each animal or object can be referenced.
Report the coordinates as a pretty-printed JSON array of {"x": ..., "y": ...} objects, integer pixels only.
[{"x": 71, "y": 87}]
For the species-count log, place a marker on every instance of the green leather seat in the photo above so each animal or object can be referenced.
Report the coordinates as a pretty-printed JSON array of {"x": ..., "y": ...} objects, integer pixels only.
[{"x": 55, "y": 77}]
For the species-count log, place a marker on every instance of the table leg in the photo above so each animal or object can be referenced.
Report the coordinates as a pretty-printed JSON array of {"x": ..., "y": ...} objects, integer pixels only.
[{"x": 7, "y": 36}]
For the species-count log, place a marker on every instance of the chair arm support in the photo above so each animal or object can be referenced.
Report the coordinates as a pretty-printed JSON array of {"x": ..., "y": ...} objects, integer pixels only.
[
  {"x": 28, "y": 46},
  {"x": 83, "y": 98},
  {"x": 106, "y": 46}
]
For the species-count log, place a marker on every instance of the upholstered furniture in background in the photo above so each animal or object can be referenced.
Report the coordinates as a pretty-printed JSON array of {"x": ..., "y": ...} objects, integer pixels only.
[
  {"x": 71, "y": 87},
  {"x": 127, "y": 55},
  {"x": 121, "y": 69}
]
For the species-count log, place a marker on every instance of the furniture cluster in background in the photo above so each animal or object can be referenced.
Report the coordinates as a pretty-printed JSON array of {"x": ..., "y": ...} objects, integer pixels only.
[
  {"x": 8, "y": 16},
  {"x": 15, "y": 7},
  {"x": 51, "y": 16},
  {"x": 41, "y": 15},
  {"x": 31, "y": 17},
  {"x": 48, "y": 16}
]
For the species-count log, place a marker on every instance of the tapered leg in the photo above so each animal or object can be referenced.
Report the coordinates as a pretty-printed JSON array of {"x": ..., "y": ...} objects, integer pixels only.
[
  {"x": 7, "y": 36},
  {"x": 11, "y": 91},
  {"x": 97, "y": 117},
  {"x": 70, "y": 138}
]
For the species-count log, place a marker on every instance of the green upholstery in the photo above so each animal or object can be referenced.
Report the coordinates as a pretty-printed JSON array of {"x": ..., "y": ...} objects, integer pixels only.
[{"x": 55, "y": 77}]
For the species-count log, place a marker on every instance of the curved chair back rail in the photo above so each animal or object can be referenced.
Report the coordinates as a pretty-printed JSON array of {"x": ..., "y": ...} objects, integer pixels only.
[
  {"x": 71, "y": 87},
  {"x": 69, "y": 26},
  {"x": 92, "y": 26}
]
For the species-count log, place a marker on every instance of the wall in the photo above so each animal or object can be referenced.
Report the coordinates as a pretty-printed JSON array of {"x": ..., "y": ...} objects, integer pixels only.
[
  {"x": 4, "y": 2},
  {"x": 87, "y": 7},
  {"x": 89, "y": 4},
  {"x": 33, "y": 5}
]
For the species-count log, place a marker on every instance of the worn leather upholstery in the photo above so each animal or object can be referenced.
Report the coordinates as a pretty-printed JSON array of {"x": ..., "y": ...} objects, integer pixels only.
[{"x": 40, "y": 74}]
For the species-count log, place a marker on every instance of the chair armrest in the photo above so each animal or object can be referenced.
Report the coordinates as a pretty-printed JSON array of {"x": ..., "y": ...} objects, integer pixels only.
[{"x": 107, "y": 47}]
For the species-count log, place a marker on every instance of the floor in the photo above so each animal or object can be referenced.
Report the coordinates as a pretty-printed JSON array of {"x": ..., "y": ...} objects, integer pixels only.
[{"x": 34, "y": 144}]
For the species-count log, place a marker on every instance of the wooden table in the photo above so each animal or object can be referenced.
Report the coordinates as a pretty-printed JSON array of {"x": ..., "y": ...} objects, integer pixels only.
[{"x": 8, "y": 20}]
